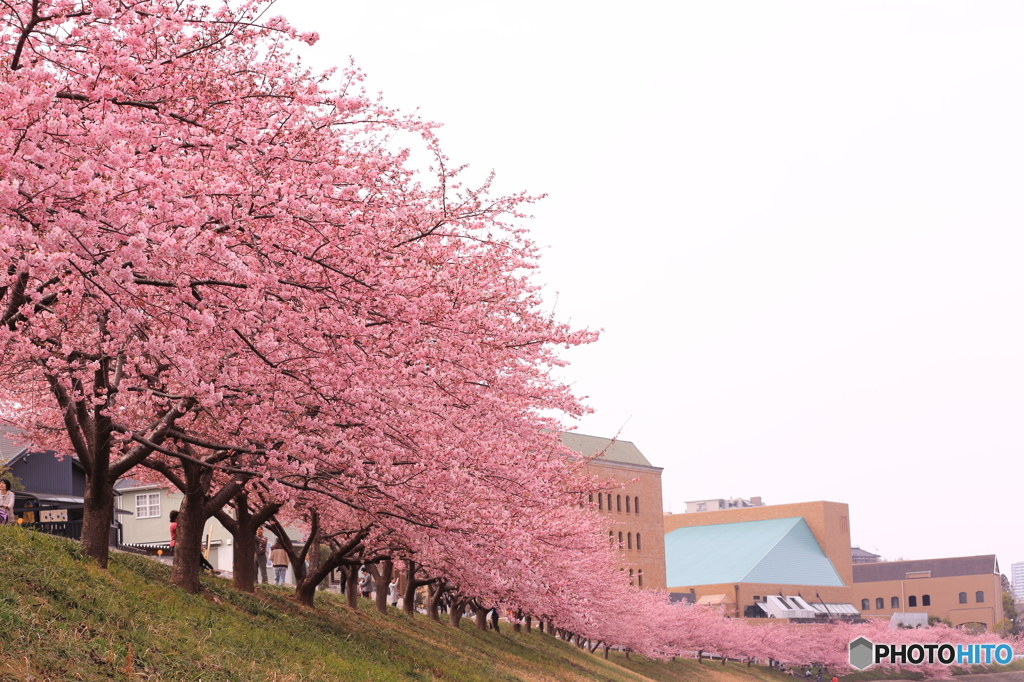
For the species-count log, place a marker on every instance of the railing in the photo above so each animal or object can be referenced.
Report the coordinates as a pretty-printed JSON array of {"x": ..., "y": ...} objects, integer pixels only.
[{"x": 65, "y": 529}]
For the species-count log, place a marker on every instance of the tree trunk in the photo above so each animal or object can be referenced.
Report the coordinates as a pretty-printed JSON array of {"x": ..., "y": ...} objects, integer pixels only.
[
  {"x": 409, "y": 593},
  {"x": 97, "y": 513},
  {"x": 435, "y": 593},
  {"x": 383, "y": 580},
  {"x": 243, "y": 562},
  {"x": 455, "y": 614},
  {"x": 305, "y": 592},
  {"x": 481, "y": 618},
  {"x": 606, "y": 651},
  {"x": 529, "y": 624},
  {"x": 243, "y": 548},
  {"x": 189, "y": 539},
  {"x": 352, "y": 586}
]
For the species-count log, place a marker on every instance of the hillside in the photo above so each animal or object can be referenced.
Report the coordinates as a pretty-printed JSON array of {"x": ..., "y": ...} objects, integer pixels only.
[{"x": 61, "y": 618}]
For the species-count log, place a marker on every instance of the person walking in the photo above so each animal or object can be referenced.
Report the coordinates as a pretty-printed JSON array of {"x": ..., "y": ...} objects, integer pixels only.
[
  {"x": 279, "y": 558},
  {"x": 365, "y": 582},
  {"x": 261, "y": 558}
]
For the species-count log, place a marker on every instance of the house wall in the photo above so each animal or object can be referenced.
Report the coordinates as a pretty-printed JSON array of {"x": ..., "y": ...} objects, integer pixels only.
[
  {"x": 42, "y": 472},
  {"x": 944, "y": 594},
  {"x": 643, "y": 483}
]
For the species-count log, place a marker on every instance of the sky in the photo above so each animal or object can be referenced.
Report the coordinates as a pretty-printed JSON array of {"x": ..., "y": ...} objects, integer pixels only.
[{"x": 798, "y": 225}]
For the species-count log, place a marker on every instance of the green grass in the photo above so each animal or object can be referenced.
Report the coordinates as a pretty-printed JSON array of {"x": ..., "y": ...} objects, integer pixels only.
[{"x": 62, "y": 618}]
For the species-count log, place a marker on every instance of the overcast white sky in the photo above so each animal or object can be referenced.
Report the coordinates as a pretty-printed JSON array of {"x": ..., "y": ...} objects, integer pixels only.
[{"x": 798, "y": 223}]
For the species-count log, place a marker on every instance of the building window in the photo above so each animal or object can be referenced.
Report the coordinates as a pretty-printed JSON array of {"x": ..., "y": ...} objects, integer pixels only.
[
  {"x": 627, "y": 504},
  {"x": 926, "y": 600},
  {"x": 638, "y": 542},
  {"x": 879, "y": 603},
  {"x": 629, "y": 539},
  {"x": 636, "y": 505},
  {"x": 979, "y": 597},
  {"x": 600, "y": 502},
  {"x": 963, "y": 597},
  {"x": 590, "y": 498},
  {"x": 618, "y": 503},
  {"x": 609, "y": 501},
  {"x": 911, "y": 601},
  {"x": 620, "y": 539},
  {"x": 631, "y": 577},
  {"x": 895, "y": 602},
  {"x": 640, "y": 577},
  {"x": 611, "y": 539},
  {"x": 147, "y": 505},
  {"x": 865, "y": 604}
]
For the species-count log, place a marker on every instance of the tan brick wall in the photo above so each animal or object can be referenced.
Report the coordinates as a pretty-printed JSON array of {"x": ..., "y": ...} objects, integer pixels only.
[
  {"x": 944, "y": 594},
  {"x": 828, "y": 521},
  {"x": 643, "y": 483}
]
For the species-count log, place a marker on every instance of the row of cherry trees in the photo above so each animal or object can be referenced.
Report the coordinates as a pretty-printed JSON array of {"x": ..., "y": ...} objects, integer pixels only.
[{"x": 223, "y": 274}]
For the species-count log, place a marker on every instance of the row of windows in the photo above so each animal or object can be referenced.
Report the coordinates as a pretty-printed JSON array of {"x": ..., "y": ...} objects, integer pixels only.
[
  {"x": 629, "y": 540},
  {"x": 618, "y": 503},
  {"x": 926, "y": 600}
]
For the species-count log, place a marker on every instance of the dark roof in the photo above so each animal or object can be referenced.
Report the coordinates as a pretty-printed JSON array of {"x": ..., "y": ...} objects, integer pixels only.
[
  {"x": 605, "y": 448},
  {"x": 858, "y": 552},
  {"x": 984, "y": 564}
]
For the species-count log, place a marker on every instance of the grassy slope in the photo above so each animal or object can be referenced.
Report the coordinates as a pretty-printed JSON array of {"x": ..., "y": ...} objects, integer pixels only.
[{"x": 62, "y": 618}]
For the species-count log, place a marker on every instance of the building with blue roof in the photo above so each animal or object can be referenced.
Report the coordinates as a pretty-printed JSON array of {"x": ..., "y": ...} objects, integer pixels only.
[{"x": 738, "y": 558}]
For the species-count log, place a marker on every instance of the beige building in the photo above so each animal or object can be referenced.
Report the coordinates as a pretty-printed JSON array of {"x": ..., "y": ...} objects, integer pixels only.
[
  {"x": 742, "y": 559},
  {"x": 634, "y": 512},
  {"x": 964, "y": 590}
]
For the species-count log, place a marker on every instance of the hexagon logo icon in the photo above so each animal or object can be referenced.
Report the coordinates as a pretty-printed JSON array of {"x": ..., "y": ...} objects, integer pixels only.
[{"x": 861, "y": 653}]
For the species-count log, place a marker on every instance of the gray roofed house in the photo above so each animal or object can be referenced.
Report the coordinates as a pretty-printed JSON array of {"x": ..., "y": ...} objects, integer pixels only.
[
  {"x": 984, "y": 564},
  {"x": 605, "y": 449},
  {"x": 8, "y": 450}
]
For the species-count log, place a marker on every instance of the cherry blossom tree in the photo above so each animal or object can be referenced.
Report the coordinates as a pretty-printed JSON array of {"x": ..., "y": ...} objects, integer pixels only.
[{"x": 211, "y": 258}]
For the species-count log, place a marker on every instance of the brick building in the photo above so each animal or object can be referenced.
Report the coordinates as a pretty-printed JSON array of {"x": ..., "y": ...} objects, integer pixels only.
[
  {"x": 964, "y": 590},
  {"x": 739, "y": 558},
  {"x": 634, "y": 512}
]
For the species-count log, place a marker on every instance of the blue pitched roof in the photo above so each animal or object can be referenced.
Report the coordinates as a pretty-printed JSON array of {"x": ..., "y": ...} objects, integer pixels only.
[{"x": 777, "y": 551}]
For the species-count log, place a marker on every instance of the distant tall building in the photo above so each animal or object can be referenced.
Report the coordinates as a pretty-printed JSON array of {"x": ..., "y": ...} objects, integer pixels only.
[
  {"x": 1017, "y": 573},
  {"x": 635, "y": 510},
  {"x": 720, "y": 504}
]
